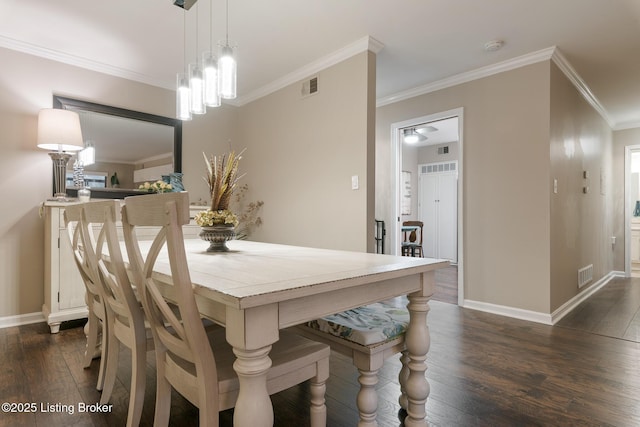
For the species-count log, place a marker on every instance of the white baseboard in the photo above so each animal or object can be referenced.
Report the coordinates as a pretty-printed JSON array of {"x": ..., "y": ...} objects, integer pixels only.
[
  {"x": 21, "y": 319},
  {"x": 503, "y": 310},
  {"x": 568, "y": 306},
  {"x": 538, "y": 317}
]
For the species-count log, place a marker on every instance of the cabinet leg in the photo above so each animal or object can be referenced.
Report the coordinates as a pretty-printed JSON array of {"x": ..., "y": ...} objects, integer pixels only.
[{"x": 55, "y": 327}]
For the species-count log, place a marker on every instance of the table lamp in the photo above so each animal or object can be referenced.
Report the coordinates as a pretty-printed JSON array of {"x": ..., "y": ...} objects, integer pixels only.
[{"x": 59, "y": 131}]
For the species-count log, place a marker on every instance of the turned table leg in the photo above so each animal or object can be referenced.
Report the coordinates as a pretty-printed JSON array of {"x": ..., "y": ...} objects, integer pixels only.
[
  {"x": 418, "y": 342},
  {"x": 251, "y": 334},
  {"x": 253, "y": 407}
]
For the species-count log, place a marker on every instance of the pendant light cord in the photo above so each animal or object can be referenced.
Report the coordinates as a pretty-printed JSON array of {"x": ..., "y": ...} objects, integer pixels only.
[
  {"x": 211, "y": 26},
  {"x": 227, "y": 23},
  {"x": 197, "y": 16},
  {"x": 184, "y": 39}
]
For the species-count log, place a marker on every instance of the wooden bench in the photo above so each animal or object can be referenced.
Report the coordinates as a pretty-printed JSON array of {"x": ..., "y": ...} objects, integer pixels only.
[{"x": 368, "y": 335}]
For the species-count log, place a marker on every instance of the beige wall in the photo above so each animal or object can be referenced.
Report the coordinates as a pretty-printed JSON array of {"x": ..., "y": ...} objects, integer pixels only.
[
  {"x": 301, "y": 155},
  {"x": 27, "y": 84},
  {"x": 506, "y": 175},
  {"x": 214, "y": 133},
  {"x": 581, "y": 224}
]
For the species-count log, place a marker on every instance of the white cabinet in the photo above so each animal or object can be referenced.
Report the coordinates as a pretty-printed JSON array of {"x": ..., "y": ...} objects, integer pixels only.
[
  {"x": 64, "y": 294},
  {"x": 438, "y": 210}
]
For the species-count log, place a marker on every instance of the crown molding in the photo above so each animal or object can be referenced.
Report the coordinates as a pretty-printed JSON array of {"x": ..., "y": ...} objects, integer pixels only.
[
  {"x": 489, "y": 70},
  {"x": 364, "y": 44},
  {"x": 77, "y": 61},
  {"x": 632, "y": 124},
  {"x": 551, "y": 53},
  {"x": 573, "y": 76}
]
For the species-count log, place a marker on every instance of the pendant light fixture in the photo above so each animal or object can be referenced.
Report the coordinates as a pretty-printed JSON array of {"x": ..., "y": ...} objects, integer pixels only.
[
  {"x": 210, "y": 69},
  {"x": 227, "y": 66},
  {"x": 183, "y": 96},
  {"x": 196, "y": 81},
  {"x": 209, "y": 79}
]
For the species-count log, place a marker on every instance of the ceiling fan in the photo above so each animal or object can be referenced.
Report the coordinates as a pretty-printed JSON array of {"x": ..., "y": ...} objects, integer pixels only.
[{"x": 417, "y": 134}]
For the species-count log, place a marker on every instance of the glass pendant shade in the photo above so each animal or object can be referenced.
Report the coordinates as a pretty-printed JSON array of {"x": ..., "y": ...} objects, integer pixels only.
[
  {"x": 196, "y": 87},
  {"x": 210, "y": 74},
  {"x": 227, "y": 70},
  {"x": 183, "y": 98}
]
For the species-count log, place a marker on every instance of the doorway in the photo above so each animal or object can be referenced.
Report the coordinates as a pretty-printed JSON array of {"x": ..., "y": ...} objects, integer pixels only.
[
  {"x": 632, "y": 211},
  {"x": 409, "y": 160}
]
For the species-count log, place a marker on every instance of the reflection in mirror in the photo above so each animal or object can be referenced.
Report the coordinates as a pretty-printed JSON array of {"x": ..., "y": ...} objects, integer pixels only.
[{"x": 130, "y": 147}]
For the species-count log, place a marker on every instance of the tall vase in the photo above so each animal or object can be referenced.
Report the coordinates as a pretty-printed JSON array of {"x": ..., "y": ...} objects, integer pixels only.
[{"x": 217, "y": 236}]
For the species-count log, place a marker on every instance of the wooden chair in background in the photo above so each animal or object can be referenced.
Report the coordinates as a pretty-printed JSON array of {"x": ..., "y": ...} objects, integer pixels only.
[
  {"x": 412, "y": 238},
  {"x": 199, "y": 365}
]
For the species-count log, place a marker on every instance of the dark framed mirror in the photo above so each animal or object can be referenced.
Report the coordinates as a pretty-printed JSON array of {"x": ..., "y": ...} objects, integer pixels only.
[{"x": 131, "y": 147}]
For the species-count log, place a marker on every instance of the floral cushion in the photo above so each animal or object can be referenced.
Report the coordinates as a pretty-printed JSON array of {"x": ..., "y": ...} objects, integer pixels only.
[{"x": 367, "y": 325}]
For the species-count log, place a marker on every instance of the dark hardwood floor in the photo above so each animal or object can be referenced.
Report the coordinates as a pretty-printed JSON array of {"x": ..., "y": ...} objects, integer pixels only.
[
  {"x": 447, "y": 285},
  {"x": 484, "y": 370},
  {"x": 613, "y": 311}
]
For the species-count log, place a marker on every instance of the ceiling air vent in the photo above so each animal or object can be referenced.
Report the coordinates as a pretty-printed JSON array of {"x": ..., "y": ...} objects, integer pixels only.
[{"x": 309, "y": 87}]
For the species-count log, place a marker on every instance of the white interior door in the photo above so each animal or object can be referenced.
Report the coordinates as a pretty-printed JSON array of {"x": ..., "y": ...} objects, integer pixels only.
[
  {"x": 448, "y": 217},
  {"x": 439, "y": 211},
  {"x": 428, "y": 185}
]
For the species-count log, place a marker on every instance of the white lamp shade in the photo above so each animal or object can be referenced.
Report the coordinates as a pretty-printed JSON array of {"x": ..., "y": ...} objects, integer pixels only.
[{"x": 59, "y": 130}]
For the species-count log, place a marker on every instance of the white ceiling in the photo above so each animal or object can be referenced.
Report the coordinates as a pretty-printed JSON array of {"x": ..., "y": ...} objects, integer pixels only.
[{"x": 425, "y": 41}]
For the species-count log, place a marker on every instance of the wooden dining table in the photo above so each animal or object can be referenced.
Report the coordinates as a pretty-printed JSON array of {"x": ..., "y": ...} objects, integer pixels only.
[{"x": 257, "y": 289}]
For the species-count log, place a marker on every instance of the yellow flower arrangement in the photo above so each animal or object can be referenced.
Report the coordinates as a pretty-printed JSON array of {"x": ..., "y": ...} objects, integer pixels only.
[
  {"x": 156, "y": 187},
  {"x": 208, "y": 218}
]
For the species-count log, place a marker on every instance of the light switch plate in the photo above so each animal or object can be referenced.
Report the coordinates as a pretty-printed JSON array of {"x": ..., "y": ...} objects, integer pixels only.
[{"x": 354, "y": 182}]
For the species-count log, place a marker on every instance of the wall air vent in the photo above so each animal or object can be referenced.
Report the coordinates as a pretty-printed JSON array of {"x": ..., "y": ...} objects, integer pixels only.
[
  {"x": 585, "y": 275},
  {"x": 310, "y": 87},
  {"x": 443, "y": 150}
]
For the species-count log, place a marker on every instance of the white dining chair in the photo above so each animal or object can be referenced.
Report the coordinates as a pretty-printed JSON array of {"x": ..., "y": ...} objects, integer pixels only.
[
  {"x": 199, "y": 365},
  {"x": 125, "y": 317},
  {"x": 97, "y": 326}
]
